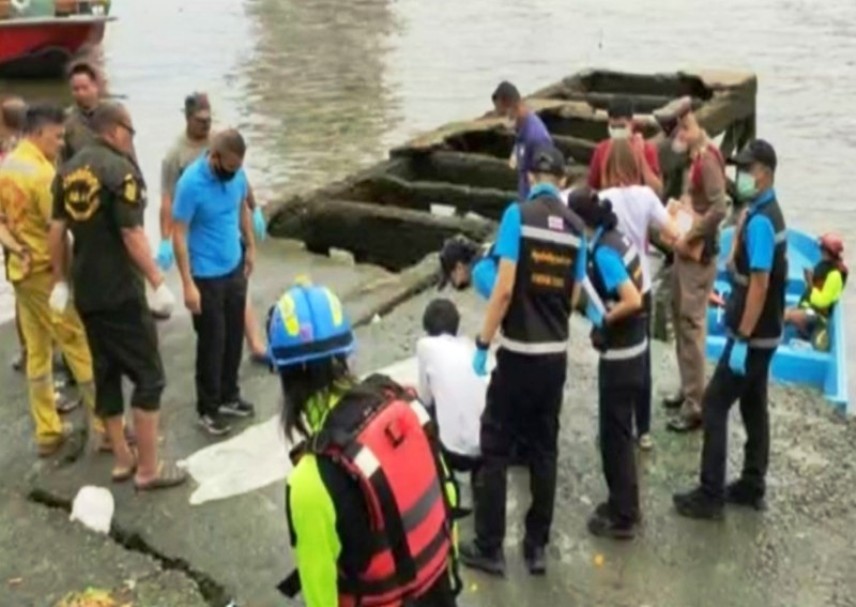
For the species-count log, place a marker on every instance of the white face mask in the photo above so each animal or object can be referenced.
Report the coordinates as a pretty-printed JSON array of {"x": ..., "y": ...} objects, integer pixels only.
[{"x": 619, "y": 132}]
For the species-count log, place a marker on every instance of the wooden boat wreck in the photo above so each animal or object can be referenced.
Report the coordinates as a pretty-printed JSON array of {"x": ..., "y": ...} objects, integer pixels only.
[{"x": 390, "y": 214}]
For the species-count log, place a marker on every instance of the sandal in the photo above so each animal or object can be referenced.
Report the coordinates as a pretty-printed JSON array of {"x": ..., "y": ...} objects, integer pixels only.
[
  {"x": 120, "y": 475},
  {"x": 169, "y": 475}
]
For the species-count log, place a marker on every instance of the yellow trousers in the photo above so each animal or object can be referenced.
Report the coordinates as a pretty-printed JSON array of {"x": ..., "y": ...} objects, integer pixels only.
[{"x": 42, "y": 328}]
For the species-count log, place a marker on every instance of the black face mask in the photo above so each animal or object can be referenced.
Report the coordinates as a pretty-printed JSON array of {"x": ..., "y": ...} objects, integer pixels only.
[{"x": 223, "y": 174}]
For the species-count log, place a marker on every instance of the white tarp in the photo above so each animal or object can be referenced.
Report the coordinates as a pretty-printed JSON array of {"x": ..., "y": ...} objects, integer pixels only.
[{"x": 258, "y": 456}]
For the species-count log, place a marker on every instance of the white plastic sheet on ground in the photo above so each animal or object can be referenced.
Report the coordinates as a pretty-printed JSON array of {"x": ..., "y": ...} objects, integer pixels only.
[
  {"x": 93, "y": 507},
  {"x": 258, "y": 456}
]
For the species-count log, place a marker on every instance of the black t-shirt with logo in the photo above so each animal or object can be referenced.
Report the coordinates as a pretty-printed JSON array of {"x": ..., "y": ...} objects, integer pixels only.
[{"x": 99, "y": 192}]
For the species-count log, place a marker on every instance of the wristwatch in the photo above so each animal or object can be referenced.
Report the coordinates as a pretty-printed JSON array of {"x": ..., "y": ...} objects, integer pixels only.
[{"x": 481, "y": 345}]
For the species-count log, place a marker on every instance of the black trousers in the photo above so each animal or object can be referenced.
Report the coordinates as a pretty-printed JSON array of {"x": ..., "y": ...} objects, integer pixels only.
[
  {"x": 524, "y": 399},
  {"x": 620, "y": 389},
  {"x": 643, "y": 399},
  {"x": 750, "y": 389},
  {"x": 219, "y": 339}
]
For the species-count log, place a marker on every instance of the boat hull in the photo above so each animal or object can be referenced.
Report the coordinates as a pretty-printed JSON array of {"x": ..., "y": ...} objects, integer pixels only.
[
  {"x": 825, "y": 371},
  {"x": 41, "y": 48}
]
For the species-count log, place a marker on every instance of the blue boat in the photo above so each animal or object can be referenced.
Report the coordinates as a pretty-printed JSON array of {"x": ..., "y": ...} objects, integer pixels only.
[{"x": 794, "y": 363}]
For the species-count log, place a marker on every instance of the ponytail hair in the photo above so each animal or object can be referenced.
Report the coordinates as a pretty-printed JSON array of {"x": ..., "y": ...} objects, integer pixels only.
[{"x": 594, "y": 212}]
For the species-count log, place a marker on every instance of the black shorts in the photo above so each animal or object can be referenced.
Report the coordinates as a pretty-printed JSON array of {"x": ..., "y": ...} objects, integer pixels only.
[{"x": 124, "y": 341}]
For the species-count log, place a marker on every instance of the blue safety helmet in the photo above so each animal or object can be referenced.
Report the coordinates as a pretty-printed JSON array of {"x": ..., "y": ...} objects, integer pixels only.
[{"x": 307, "y": 323}]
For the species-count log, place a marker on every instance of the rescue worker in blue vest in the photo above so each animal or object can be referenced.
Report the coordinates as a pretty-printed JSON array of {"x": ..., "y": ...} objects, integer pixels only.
[
  {"x": 754, "y": 316},
  {"x": 614, "y": 305},
  {"x": 542, "y": 261},
  {"x": 368, "y": 502}
]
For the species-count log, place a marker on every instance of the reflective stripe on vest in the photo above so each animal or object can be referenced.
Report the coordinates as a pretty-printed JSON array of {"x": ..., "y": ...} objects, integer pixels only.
[
  {"x": 545, "y": 235},
  {"x": 626, "y": 353},
  {"x": 523, "y": 347}
]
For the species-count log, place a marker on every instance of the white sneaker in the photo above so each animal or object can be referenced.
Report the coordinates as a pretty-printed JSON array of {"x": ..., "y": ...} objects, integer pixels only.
[{"x": 646, "y": 443}]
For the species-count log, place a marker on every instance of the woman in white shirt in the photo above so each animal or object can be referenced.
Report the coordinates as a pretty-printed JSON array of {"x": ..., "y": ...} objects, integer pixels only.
[{"x": 638, "y": 209}]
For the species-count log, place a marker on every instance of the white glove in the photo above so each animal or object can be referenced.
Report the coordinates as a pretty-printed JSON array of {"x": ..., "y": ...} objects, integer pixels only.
[
  {"x": 58, "y": 300},
  {"x": 163, "y": 301}
]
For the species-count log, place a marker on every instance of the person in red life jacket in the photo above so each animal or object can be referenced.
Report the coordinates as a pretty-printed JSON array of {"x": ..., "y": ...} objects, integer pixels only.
[
  {"x": 368, "y": 503},
  {"x": 621, "y": 126},
  {"x": 695, "y": 257},
  {"x": 824, "y": 286}
]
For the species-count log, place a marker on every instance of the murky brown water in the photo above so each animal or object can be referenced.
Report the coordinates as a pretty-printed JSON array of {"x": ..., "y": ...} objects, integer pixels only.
[{"x": 325, "y": 86}]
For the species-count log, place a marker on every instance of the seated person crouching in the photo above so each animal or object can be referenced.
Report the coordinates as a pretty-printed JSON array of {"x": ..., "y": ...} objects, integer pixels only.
[
  {"x": 449, "y": 387},
  {"x": 464, "y": 262},
  {"x": 824, "y": 285}
]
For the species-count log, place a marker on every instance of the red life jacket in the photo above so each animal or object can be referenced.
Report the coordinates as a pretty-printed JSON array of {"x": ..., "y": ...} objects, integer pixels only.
[{"x": 382, "y": 443}]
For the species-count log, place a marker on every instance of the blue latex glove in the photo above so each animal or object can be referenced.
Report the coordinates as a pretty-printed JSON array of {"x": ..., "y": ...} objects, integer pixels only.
[
  {"x": 259, "y": 224},
  {"x": 165, "y": 257},
  {"x": 737, "y": 358},
  {"x": 594, "y": 315},
  {"x": 480, "y": 362}
]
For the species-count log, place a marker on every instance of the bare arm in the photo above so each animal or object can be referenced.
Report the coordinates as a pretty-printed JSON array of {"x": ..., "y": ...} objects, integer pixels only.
[
  {"x": 713, "y": 178},
  {"x": 138, "y": 249},
  {"x": 500, "y": 298},
  {"x": 169, "y": 177},
  {"x": 182, "y": 259},
  {"x": 759, "y": 282},
  {"x": 629, "y": 302}
]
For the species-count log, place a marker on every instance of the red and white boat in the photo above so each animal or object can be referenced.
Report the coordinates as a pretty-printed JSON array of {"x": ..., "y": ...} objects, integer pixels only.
[{"x": 41, "y": 47}]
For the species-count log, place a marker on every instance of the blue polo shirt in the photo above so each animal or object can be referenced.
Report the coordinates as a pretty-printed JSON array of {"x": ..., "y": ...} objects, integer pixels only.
[
  {"x": 531, "y": 135},
  {"x": 760, "y": 235},
  {"x": 211, "y": 209},
  {"x": 510, "y": 232}
]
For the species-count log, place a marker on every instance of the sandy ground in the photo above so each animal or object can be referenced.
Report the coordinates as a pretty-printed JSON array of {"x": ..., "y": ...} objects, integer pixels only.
[{"x": 163, "y": 551}]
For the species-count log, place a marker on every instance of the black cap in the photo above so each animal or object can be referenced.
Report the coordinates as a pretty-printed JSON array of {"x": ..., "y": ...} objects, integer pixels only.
[
  {"x": 758, "y": 151},
  {"x": 196, "y": 102},
  {"x": 620, "y": 107},
  {"x": 458, "y": 249},
  {"x": 548, "y": 159},
  {"x": 506, "y": 92}
]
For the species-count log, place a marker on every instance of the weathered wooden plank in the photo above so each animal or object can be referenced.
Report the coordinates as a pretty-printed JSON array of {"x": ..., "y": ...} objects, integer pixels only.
[{"x": 388, "y": 236}]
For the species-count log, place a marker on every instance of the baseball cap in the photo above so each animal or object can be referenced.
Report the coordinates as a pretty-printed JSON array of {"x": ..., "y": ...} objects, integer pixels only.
[
  {"x": 620, "y": 107},
  {"x": 196, "y": 102},
  {"x": 458, "y": 249},
  {"x": 548, "y": 159},
  {"x": 759, "y": 151}
]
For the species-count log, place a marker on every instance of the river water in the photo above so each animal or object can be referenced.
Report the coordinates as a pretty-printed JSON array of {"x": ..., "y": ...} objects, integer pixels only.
[{"x": 323, "y": 87}]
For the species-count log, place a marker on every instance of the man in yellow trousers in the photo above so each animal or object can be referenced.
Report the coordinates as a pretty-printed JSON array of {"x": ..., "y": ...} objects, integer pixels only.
[{"x": 26, "y": 176}]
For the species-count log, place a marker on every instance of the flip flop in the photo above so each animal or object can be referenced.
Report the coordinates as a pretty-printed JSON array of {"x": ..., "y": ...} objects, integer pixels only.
[
  {"x": 120, "y": 475},
  {"x": 169, "y": 475}
]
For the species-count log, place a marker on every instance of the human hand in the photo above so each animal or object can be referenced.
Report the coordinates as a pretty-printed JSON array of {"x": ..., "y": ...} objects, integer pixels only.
[
  {"x": 192, "y": 299},
  {"x": 163, "y": 301},
  {"x": 58, "y": 300},
  {"x": 165, "y": 256},
  {"x": 259, "y": 224},
  {"x": 737, "y": 357},
  {"x": 594, "y": 315}
]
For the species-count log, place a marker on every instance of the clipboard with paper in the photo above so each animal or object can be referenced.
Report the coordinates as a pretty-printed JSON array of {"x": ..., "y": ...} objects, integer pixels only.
[{"x": 685, "y": 218}]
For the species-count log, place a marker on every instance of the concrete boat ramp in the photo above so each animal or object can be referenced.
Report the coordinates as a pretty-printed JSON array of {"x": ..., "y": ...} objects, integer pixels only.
[{"x": 163, "y": 551}]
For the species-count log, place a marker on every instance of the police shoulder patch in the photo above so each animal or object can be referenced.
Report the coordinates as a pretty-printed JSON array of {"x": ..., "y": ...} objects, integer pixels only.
[{"x": 130, "y": 189}]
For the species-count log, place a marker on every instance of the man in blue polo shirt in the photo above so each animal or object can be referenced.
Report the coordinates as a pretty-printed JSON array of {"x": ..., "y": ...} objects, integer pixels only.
[
  {"x": 210, "y": 220},
  {"x": 754, "y": 317},
  {"x": 530, "y": 129},
  {"x": 542, "y": 262}
]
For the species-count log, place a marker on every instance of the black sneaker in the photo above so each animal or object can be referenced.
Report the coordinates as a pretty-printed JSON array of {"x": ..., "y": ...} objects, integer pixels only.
[
  {"x": 740, "y": 493},
  {"x": 695, "y": 504},
  {"x": 602, "y": 524},
  {"x": 603, "y": 510},
  {"x": 536, "y": 559},
  {"x": 238, "y": 408},
  {"x": 472, "y": 557},
  {"x": 213, "y": 425}
]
